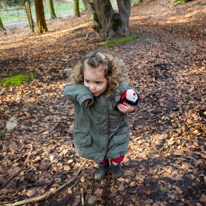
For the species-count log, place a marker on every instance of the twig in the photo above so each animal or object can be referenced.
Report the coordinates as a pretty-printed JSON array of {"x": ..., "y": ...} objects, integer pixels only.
[
  {"x": 40, "y": 132},
  {"x": 82, "y": 196},
  {"x": 15, "y": 174},
  {"x": 49, "y": 193}
]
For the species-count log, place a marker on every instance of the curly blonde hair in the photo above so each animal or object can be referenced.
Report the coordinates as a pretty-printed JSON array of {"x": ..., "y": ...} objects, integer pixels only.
[{"x": 113, "y": 70}]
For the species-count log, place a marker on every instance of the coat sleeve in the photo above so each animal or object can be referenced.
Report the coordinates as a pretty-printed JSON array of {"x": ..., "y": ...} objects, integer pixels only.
[
  {"x": 122, "y": 88},
  {"x": 78, "y": 93}
]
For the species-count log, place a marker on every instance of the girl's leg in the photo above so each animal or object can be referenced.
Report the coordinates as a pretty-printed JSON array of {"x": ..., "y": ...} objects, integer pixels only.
[
  {"x": 104, "y": 161},
  {"x": 116, "y": 167},
  {"x": 102, "y": 170},
  {"x": 118, "y": 160}
]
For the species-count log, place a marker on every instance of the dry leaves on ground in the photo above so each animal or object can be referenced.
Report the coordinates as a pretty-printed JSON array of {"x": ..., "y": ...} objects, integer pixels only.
[{"x": 165, "y": 164}]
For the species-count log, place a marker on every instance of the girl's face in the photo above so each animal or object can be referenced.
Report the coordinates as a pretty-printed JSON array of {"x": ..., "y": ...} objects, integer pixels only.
[{"x": 95, "y": 80}]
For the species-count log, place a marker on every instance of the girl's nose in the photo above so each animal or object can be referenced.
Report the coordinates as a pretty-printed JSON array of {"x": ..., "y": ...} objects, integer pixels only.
[{"x": 92, "y": 87}]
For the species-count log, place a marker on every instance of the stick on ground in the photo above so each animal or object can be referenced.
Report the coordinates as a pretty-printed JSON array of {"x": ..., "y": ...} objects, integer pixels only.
[{"x": 49, "y": 193}]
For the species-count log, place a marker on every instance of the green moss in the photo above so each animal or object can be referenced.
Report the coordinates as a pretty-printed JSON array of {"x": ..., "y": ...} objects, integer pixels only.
[
  {"x": 17, "y": 79},
  {"x": 95, "y": 18},
  {"x": 1, "y": 134},
  {"x": 162, "y": 189},
  {"x": 185, "y": 1},
  {"x": 204, "y": 35},
  {"x": 94, "y": 204},
  {"x": 108, "y": 6},
  {"x": 130, "y": 37}
]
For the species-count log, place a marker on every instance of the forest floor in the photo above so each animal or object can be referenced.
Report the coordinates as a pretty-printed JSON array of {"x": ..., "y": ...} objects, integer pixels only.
[{"x": 166, "y": 161}]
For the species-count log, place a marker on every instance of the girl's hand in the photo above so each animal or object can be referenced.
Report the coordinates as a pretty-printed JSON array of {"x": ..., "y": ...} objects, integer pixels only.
[
  {"x": 85, "y": 103},
  {"x": 125, "y": 108}
]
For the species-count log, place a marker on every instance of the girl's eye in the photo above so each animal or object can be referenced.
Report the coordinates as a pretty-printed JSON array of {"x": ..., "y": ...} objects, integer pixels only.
[
  {"x": 98, "y": 83},
  {"x": 87, "y": 81}
]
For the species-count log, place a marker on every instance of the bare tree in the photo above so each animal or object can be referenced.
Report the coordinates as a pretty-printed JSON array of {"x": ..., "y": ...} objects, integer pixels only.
[
  {"x": 1, "y": 25},
  {"x": 27, "y": 7},
  {"x": 85, "y": 3},
  {"x": 107, "y": 22},
  {"x": 76, "y": 8},
  {"x": 51, "y": 10},
  {"x": 40, "y": 18}
]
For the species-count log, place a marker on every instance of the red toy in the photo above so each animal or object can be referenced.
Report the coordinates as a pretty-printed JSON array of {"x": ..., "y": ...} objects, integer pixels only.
[{"x": 131, "y": 97}]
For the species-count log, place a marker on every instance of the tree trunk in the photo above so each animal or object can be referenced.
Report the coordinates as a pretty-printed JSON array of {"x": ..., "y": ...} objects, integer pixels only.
[
  {"x": 40, "y": 18},
  {"x": 124, "y": 7},
  {"x": 108, "y": 23},
  {"x": 27, "y": 6},
  {"x": 1, "y": 25},
  {"x": 85, "y": 2},
  {"x": 51, "y": 10},
  {"x": 76, "y": 8}
]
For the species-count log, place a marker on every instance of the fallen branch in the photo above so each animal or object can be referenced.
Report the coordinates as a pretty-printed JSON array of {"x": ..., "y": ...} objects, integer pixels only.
[
  {"x": 15, "y": 174},
  {"x": 49, "y": 193}
]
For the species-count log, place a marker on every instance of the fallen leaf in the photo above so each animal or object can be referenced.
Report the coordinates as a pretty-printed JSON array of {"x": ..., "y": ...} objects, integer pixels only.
[
  {"x": 92, "y": 199},
  {"x": 11, "y": 123}
]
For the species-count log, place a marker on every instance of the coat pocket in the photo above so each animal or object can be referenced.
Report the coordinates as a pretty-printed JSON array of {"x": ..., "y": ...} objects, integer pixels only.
[
  {"x": 120, "y": 138},
  {"x": 82, "y": 138}
]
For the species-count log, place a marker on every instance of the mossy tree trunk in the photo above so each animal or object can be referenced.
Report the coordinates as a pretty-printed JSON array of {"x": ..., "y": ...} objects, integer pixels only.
[
  {"x": 51, "y": 10},
  {"x": 107, "y": 22},
  {"x": 1, "y": 25},
  {"x": 76, "y": 8},
  {"x": 27, "y": 6},
  {"x": 40, "y": 18}
]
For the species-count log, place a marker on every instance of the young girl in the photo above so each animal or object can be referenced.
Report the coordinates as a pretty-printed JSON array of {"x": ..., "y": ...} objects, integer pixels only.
[{"x": 101, "y": 131}]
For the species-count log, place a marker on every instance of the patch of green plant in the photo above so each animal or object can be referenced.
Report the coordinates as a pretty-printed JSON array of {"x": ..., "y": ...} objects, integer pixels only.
[
  {"x": 162, "y": 188},
  {"x": 17, "y": 79},
  {"x": 94, "y": 204},
  {"x": 204, "y": 35},
  {"x": 185, "y": 1},
  {"x": 130, "y": 37},
  {"x": 1, "y": 134}
]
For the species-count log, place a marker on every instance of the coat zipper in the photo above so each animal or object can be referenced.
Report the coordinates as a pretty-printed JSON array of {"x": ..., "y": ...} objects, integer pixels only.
[{"x": 107, "y": 114}]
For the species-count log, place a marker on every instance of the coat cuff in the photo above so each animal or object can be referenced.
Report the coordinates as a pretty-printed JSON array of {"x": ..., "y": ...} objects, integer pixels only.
[
  {"x": 84, "y": 98},
  {"x": 136, "y": 109}
]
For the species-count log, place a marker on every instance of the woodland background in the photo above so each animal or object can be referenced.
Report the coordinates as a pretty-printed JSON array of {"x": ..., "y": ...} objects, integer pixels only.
[{"x": 166, "y": 162}]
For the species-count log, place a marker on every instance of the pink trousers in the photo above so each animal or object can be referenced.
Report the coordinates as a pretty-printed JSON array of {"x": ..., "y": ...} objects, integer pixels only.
[{"x": 117, "y": 160}]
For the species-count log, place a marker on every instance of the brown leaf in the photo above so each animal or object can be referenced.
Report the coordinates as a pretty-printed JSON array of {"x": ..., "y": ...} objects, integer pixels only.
[
  {"x": 92, "y": 199},
  {"x": 121, "y": 187},
  {"x": 31, "y": 192}
]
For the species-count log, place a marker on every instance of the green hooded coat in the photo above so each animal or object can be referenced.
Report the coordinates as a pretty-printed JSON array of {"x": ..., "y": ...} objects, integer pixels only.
[{"x": 100, "y": 131}]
